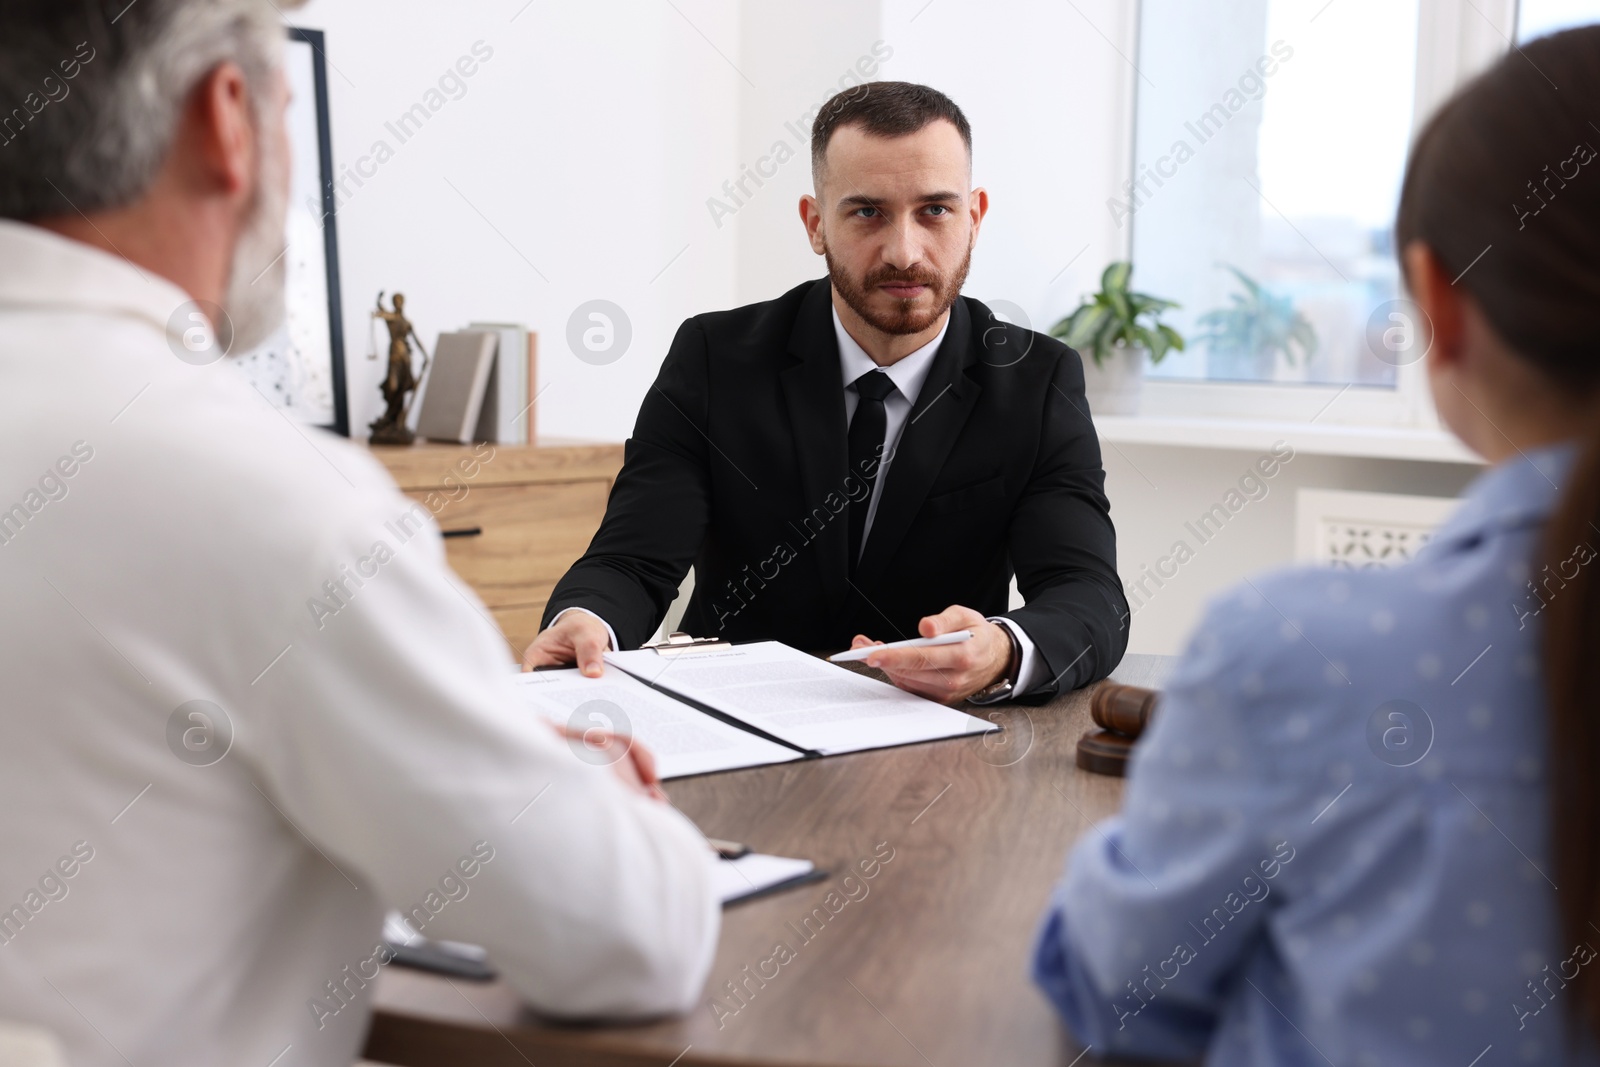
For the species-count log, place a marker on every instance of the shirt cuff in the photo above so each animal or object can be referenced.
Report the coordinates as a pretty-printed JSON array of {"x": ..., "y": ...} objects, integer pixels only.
[
  {"x": 610, "y": 633},
  {"x": 1030, "y": 674}
]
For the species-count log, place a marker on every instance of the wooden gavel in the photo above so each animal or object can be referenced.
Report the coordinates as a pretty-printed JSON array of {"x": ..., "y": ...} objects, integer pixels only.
[{"x": 1122, "y": 712}]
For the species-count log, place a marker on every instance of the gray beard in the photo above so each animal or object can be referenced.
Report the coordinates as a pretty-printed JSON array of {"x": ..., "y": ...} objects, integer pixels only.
[{"x": 254, "y": 301}]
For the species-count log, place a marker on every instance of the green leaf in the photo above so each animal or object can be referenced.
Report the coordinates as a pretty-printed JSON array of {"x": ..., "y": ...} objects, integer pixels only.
[
  {"x": 1115, "y": 278},
  {"x": 1104, "y": 338},
  {"x": 1145, "y": 303},
  {"x": 1115, "y": 315},
  {"x": 1087, "y": 323},
  {"x": 1251, "y": 287},
  {"x": 1063, "y": 328},
  {"x": 1305, "y": 335},
  {"x": 1258, "y": 322},
  {"x": 1159, "y": 343},
  {"x": 1120, "y": 306}
]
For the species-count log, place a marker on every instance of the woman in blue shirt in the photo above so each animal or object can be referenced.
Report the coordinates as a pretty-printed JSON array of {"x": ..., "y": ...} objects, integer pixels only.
[{"x": 1342, "y": 837}]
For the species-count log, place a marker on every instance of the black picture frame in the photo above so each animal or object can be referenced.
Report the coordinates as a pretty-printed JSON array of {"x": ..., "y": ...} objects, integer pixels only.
[{"x": 314, "y": 39}]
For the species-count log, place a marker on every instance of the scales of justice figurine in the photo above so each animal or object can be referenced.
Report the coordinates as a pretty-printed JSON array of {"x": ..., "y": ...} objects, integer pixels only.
[{"x": 400, "y": 383}]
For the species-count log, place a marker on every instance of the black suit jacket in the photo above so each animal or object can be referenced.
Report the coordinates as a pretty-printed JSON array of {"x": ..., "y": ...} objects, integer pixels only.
[{"x": 737, "y": 465}]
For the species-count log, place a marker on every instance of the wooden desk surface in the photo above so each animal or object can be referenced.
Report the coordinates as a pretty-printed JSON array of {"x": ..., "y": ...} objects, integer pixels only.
[{"x": 928, "y": 967}]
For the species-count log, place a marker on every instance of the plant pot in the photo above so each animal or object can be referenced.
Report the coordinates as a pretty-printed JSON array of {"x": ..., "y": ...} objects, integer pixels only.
[{"x": 1115, "y": 387}]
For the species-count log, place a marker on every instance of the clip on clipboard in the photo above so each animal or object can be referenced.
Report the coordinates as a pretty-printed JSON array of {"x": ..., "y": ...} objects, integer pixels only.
[{"x": 678, "y": 641}]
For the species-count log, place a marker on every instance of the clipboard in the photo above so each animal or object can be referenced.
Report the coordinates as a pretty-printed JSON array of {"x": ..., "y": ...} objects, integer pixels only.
[{"x": 678, "y": 641}]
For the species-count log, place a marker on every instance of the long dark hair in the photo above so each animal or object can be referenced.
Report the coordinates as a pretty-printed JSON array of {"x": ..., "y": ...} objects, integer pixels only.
[{"x": 1504, "y": 187}]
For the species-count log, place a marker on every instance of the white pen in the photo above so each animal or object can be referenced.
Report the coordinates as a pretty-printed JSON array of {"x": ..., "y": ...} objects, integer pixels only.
[{"x": 955, "y": 637}]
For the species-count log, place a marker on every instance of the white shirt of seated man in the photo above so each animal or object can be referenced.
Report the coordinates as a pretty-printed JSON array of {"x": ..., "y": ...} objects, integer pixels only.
[{"x": 248, "y": 705}]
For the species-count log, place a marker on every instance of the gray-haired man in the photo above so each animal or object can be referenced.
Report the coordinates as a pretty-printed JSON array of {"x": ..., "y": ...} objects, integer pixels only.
[{"x": 208, "y": 794}]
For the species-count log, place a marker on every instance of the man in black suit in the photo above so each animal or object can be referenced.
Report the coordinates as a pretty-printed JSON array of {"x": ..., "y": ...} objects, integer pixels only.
[{"x": 869, "y": 453}]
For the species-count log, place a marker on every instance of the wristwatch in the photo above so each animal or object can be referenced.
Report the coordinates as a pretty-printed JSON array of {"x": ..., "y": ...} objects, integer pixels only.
[{"x": 1007, "y": 684}]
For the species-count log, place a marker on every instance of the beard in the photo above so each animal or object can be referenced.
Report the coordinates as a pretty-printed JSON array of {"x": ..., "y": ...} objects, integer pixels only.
[
  {"x": 903, "y": 316},
  {"x": 254, "y": 303}
]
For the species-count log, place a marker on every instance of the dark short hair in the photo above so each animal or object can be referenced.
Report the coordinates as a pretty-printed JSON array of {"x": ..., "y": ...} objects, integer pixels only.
[{"x": 884, "y": 109}]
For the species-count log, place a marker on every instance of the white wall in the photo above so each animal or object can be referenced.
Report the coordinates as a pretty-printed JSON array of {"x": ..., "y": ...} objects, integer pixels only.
[
  {"x": 797, "y": 56},
  {"x": 1155, "y": 490},
  {"x": 1050, "y": 105},
  {"x": 596, "y": 134},
  {"x": 585, "y": 150},
  {"x": 1049, "y": 109},
  {"x": 587, "y": 143}
]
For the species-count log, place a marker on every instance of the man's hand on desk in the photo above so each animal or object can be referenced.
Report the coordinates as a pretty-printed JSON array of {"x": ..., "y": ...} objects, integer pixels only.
[
  {"x": 947, "y": 673},
  {"x": 577, "y": 637},
  {"x": 629, "y": 760}
]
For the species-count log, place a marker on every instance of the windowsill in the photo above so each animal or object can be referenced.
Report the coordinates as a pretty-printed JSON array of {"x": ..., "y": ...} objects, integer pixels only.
[{"x": 1253, "y": 435}]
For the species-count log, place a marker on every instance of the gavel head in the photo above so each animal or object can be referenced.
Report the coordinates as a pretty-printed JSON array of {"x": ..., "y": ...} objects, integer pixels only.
[{"x": 1123, "y": 709}]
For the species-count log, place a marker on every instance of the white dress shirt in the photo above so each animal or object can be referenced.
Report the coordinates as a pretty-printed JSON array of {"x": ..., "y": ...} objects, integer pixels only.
[
  {"x": 908, "y": 375},
  {"x": 185, "y": 890}
]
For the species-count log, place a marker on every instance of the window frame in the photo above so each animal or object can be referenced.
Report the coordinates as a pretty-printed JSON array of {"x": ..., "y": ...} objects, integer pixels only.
[{"x": 1456, "y": 39}]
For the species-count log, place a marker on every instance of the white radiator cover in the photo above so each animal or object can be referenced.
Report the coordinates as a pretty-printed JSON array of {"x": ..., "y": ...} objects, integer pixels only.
[{"x": 1358, "y": 531}]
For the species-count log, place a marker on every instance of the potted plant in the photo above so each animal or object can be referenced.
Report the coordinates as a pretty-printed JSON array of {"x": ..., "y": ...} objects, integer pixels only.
[
  {"x": 1117, "y": 328},
  {"x": 1245, "y": 339}
]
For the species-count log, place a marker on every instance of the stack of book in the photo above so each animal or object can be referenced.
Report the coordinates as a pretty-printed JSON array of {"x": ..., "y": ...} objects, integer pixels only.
[{"x": 481, "y": 386}]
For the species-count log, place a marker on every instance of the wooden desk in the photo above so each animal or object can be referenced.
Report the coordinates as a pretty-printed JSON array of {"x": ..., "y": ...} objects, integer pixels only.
[{"x": 928, "y": 969}]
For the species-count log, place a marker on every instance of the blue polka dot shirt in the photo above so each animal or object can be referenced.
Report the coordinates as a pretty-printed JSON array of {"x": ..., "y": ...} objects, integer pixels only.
[{"x": 1333, "y": 846}]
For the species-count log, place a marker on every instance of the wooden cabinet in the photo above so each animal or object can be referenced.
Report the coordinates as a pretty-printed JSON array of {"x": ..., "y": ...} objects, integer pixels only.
[{"x": 514, "y": 517}]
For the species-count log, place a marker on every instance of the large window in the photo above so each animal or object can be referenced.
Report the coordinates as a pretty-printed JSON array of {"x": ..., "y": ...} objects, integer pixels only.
[
  {"x": 1270, "y": 142},
  {"x": 1535, "y": 18}
]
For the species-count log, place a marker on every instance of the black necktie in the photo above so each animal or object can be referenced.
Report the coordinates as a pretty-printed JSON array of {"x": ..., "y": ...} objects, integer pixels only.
[{"x": 865, "y": 449}]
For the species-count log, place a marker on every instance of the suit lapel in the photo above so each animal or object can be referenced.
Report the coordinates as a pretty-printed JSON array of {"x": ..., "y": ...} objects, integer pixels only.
[
  {"x": 813, "y": 390},
  {"x": 942, "y": 407}
]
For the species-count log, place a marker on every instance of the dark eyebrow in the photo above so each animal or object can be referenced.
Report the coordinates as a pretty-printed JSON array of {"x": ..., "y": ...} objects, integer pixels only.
[{"x": 931, "y": 198}]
